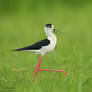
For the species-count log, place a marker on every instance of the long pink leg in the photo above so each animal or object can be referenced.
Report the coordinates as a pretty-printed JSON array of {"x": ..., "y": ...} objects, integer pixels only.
[
  {"x": 53, "y": 70},
  {"x": 38, "y": 68}
]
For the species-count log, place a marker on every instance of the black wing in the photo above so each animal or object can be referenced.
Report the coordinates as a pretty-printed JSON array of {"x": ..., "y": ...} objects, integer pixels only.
[{"x": 35, "y": 46}]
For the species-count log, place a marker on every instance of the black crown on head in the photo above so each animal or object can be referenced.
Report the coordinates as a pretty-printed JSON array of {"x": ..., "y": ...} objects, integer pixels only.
[{"x": 48, "y": 25}]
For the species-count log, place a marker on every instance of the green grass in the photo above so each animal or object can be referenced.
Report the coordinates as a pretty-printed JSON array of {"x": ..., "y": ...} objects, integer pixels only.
[{"x": 73, "y": 52}]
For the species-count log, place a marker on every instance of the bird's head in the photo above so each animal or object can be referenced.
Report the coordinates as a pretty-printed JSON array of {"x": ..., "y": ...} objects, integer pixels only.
[{"x": 49, "y": 28}]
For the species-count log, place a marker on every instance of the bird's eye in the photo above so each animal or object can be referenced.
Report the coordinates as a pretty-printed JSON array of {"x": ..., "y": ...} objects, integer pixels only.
[{"x": 50, "y": 27}]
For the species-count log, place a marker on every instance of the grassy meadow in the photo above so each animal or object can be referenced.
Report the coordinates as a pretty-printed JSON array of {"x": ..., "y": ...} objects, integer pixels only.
[{"x": 22, "y": 23}]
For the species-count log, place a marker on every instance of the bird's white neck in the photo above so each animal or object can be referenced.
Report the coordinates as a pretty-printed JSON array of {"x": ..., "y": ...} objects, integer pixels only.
[{"x": 50, "y": 34}]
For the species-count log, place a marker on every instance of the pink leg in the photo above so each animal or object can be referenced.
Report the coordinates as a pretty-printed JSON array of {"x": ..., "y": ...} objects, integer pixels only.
[
  {"x": 53, "y": 70},
  {"x": 38, "y": 68}
]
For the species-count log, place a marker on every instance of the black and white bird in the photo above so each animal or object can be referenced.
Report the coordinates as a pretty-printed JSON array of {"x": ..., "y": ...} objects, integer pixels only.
[{"x": 44, "y": 46}]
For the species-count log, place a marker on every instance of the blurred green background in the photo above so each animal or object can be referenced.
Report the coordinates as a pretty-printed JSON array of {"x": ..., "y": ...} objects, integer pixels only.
[{"x": 22, "y": 23}]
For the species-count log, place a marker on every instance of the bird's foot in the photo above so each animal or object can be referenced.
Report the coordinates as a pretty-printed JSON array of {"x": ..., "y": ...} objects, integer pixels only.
[{"x": 37, "y": 68}]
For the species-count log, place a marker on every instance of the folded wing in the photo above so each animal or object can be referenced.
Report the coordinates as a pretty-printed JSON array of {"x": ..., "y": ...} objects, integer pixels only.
[{"x": 35, "y": 46}]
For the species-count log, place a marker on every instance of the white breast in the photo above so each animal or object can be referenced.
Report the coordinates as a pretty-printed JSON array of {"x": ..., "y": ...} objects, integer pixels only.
[
  {"x": 50, "y": 47},
  {"x": 53, "y": 41}
]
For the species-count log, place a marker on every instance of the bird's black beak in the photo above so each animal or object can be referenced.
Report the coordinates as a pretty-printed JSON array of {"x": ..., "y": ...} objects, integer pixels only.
[{"x": 57, "y": 32}]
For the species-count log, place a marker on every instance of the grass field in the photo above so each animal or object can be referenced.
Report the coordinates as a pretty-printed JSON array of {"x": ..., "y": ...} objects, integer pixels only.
[{"x": 73, "y": 52}]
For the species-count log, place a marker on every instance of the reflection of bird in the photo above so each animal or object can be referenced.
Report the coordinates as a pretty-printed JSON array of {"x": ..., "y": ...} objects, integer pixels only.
[{"x": 44, "y": 46}]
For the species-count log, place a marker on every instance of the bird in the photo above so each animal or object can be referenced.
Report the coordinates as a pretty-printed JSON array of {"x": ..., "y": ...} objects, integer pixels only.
[{"x": 44, "y": 46}]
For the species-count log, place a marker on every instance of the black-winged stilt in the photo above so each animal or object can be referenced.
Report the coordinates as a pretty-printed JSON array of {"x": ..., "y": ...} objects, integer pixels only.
[{"x": 44, "y": 46}]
